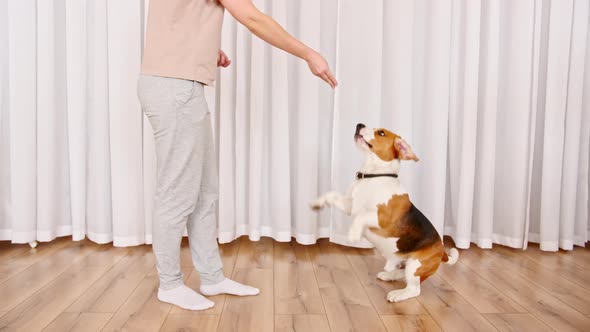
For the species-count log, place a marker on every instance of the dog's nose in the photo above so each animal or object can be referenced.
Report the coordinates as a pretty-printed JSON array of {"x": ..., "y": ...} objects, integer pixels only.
[{"x": 359, "y": 127}]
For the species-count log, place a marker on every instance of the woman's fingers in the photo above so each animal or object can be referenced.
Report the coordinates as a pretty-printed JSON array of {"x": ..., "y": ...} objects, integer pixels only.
[
  {"x": 225, "y": 61},
  {"x": 332, "y": 79},
  {"x": 222, "y": 59},
  {"x": 327, "y": 79}
]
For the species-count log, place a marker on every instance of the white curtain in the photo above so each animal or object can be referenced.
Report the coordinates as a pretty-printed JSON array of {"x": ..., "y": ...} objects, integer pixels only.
[
  {"x": 74, "y": 154},
  {"x": 493, "y": 96}
]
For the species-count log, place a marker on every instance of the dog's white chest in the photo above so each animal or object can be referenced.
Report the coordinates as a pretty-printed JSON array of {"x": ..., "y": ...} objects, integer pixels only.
[{"x": 368, "y": 193}]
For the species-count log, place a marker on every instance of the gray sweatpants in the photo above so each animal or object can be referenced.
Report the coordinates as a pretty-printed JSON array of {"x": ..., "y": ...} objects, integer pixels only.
[{"x": 187, "y": 189}]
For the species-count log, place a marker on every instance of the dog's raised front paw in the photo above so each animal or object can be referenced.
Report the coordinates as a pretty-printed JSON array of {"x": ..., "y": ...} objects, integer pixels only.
[{"x": 318, "y": 204}]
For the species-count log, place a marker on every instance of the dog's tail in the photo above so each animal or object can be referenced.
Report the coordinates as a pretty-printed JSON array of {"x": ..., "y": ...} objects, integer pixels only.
[{"x": 452, "y": 257}]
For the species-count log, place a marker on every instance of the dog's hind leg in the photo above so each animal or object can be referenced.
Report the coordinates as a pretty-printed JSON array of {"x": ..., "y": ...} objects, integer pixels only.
[
  {"x": 394, "y": 263},
  {"x": 391, "y": 275},
  {"x": 412, "y": 283},
  {"x": 393, "y": 270}
]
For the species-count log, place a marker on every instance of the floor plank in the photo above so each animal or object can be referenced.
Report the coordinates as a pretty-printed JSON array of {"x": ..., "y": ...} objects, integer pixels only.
[
  {"x": 406, "y": 323},
  {"x": 79, "y": 322},
  {"x": 549, "y": 258},
  {"x": 555, "y": 261},
  {"x": 543, "y": 305},
  {"x": 83, "y": 286},
  {"x": 250, "y": 313},
  {"x": 477, "y": 291},
  {"x": 301, "y": 323},
  {"x": 366, "y": 264},
  {"x": 253, "y": 266},
  {"x": 24, "y": 284},
  {"x": 43, "y": 307},
  {"x": 257, "y": 255},
  {"x": 347, "y": 305},
  {"x": 569, "y": 292},
  {"x": 23, "y": 253},
  {"x": 112, "y": 289},
  {"x": 8, "y": 249},
  {"x": 142, "y": 311},
  {"x": 296, "y": 288},
  {"x": 190, "y": 322},
  {"x": 449, "y": 309},
  {"x": 476, "y": 259},
  {"x": 579, "y": 256},
  {"x": 7, "y": 271},
  {"x": 15, "y": 261},
  {"x": 517, "y": 322},
  {"x": 103, "y": 255}
]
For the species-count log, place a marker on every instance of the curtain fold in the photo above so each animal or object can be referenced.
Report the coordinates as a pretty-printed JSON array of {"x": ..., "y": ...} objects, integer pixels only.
[{"x": 493, "y": 96}]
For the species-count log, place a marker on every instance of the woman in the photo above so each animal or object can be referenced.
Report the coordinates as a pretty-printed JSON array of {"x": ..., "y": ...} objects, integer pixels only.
[{"x": 180, "y": 57}]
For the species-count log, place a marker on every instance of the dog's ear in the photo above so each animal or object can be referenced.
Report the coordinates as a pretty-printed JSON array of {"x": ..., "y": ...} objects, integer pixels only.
[{"x": 403, "y": 150}]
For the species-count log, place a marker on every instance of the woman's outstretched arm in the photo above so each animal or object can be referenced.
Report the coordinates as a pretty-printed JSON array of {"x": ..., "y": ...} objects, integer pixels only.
[{"x": 271, "y": 32}]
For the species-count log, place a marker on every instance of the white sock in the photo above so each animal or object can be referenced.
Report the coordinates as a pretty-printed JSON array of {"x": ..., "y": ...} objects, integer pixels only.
[
  {"x": 228, "y": 286},
  {"x": 184, "y": 297}
]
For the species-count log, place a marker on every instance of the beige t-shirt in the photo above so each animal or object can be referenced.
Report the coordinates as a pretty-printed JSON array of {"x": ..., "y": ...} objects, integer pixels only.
[{"x": 182, "y": 39}]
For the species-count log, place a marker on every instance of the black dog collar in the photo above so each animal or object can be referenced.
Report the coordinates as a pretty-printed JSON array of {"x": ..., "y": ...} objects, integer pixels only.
[{"x": 360, "y": 176}]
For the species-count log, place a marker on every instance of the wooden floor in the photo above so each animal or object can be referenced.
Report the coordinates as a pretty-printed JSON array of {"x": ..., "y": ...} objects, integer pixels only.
[{"x": 82, "y": 286}]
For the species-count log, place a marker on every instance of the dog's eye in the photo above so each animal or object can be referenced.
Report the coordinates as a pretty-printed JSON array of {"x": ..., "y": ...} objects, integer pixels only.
[{"x": 381, "y": 133}]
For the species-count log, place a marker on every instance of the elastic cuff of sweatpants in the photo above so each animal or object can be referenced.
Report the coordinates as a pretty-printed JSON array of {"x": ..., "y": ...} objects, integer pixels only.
[
  {"x": 212, "y": 279},
  {"x": 171, "y": 285}
]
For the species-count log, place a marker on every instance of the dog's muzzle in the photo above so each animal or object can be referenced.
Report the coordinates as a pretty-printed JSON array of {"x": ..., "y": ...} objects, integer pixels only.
[
  {"x": 358, "y": 129},
  {"x": 359, "y": 137}
]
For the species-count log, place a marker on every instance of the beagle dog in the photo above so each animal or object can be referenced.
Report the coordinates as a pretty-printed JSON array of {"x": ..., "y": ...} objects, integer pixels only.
[{"x": 382, "y": 212}]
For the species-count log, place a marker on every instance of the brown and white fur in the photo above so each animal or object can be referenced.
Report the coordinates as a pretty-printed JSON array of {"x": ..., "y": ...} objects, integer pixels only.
[{"x": 382, "y": 212}]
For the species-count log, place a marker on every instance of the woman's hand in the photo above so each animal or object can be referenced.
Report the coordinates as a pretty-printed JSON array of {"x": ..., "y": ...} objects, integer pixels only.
[
  {"x": 222, "y": 59},
  {"x": 320, "y": 68}
]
